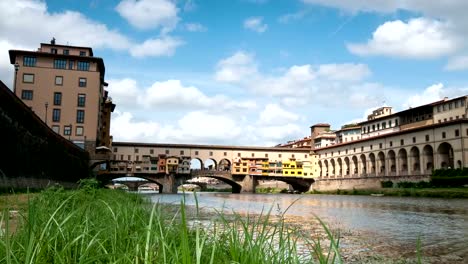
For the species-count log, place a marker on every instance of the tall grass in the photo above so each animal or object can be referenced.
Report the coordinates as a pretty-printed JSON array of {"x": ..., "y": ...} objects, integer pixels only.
[{"x": 108, "y": 226}]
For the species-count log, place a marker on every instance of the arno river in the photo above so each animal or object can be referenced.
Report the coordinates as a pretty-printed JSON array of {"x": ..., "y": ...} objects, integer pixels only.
[{"x": 389, "y": 226}]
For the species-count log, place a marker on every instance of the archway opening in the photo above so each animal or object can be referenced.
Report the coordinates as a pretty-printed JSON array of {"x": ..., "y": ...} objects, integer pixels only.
[
  {"x": 346, "y": 160},
  {"x": 428, "y": 156},
  {"x": 403, "y": 160},
  {"x": 381, "y": 158},
  {"x": 355, "y": 165},
  {"x": 224, "y": 165},
  {"x": 340, "y": 167},
  {"x": 363, "y": 164},
  {"x": 445, "y": 153},
  {"x": 210, "y": 164},
  {"x": 372, "y": 163},
  {"x": 196, "y": 164},
  {"x": 415, "y": 160},
  {"x": 392, "y": 161},
  {"x": 333, "y": 170}
]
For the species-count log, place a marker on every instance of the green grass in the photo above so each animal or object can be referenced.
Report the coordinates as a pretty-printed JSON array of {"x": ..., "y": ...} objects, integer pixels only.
[{"x": 108, "y": 226}]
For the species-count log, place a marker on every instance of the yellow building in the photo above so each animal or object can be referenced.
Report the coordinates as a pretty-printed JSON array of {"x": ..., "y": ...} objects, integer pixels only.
[
  {"x": 172, "y": 163},
  {"x": 293, "y": 168}
]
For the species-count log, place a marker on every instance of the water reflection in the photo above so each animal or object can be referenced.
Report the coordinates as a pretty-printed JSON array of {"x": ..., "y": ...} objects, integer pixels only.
[{"x": 441, "y": 224}]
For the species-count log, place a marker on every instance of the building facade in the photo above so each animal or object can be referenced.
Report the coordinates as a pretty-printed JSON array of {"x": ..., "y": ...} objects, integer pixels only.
[
  {"x": 412, "y": 142},
  {"x": 64, "y": 85}
]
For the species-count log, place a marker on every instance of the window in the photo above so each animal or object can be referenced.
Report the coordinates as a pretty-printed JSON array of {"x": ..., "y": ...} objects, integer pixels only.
[
  {"x": 402, "y": 142},
  {"x": 82, "y": 82},
  {"x": 457, "y": 132},
  {"x": 396, "y": 122},
  {"x": 82, "y": 53},
  {"x": 58, "y": 80},
  {"x": 305, "y": 156},
  {"x": 56, "y": 129},
  {"x": 389, "y": 123},
  {"x": 80, "y": 116},
  {"x": 414, "y": 139},
  {"x": 167, "y": 151},
  {"x": 457, "y": 104},
  {"x": 293, "y": 156},
  {"x": 238, "y": 154},
  {"x": 71, "y": 64},
  {"x": 81, "y": 100},
  {"x": 56, "y": 115},
  {"x": 211, "y": 153},
  {"x": 79, "y": 131},
  {"x": 83, "y": 66},
  {"x": 27, "y": 95},
  {"x": 60, "y": 63},
  {"x": 57, "y": 98},
  {"x": 438, "y": 108},
  {"x": 427, "y": 138},
  {"x": 129, "y": 157},
  {"x": 136, "y": 150},
  {"x": 116, "y": 149},
  {"x": 225, "y": 153},
  {"x": 66, "y": 52},
  {"x": 380, "y": 145},
  {"x": 391, "y": 143},
  {"x": 67, "y": 130},
  {"x": 253, "y": 155},
  {"x": 371, "y": 147},
  {"x": 383, "y": 125},
  {"x": 28, "y": 78},
  {"x": 443, "y": 134},
  {"x": 29, "y": 61},
  {"x": 362, "y": 148},
  {"x": 279, "y": 155}
]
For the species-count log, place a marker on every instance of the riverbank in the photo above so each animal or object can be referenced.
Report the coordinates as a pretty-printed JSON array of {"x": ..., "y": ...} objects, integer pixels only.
[
  {"x": 110, "y": 226},
  {"x": 403, "y": 192}
]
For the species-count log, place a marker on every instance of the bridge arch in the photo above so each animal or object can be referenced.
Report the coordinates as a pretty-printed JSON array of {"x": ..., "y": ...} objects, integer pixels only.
[
  {"x": 135, "y": 184},
  {"x": 196, "y": 164},
  {"x": 210, "y": 164},
  {"x": 224, "y": 165}
]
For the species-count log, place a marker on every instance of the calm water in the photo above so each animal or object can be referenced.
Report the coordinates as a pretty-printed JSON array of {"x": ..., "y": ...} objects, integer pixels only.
[{"x": 385, "y": 222}]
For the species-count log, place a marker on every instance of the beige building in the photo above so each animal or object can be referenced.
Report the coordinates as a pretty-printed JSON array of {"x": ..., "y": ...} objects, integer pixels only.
[
  {"x": 412, "y": 142},
  {"x": 64, "y": 85}
]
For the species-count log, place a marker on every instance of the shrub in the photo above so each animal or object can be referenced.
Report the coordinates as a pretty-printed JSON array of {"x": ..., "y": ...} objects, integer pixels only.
[{"x": 386, "y": 184}]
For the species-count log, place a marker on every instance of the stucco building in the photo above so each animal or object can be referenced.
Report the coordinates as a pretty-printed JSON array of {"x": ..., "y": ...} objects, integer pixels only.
[
  {"x": 412, "y": 142},
  {"x": 64, "y": 85}
]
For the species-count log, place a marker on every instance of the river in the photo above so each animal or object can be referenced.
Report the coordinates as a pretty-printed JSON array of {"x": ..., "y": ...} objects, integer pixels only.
[{"x": 381, "y": 226}]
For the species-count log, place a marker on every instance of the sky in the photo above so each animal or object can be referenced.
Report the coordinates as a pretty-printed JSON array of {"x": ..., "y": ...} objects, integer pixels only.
[{"x": 252, "y": 72}]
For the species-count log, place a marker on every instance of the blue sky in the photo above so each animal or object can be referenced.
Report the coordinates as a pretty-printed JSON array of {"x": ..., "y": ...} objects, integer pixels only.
[{"x": 252, "y": 72}]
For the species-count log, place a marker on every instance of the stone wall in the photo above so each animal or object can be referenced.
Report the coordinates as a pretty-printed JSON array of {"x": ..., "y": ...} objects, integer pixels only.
[
  {"x": 31, "y": 154},
  {"x": 361, "y": 183}
]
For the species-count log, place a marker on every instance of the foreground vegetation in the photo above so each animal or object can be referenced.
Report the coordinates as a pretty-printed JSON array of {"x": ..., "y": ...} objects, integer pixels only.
[{"x": 108, "y": 226}]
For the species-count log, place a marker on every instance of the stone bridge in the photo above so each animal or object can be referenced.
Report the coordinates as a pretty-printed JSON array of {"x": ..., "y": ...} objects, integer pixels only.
[{"x": 248, "y": 183}]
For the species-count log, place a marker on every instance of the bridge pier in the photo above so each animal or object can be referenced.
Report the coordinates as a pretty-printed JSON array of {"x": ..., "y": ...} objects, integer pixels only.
[{"x": 249, "y": 183}]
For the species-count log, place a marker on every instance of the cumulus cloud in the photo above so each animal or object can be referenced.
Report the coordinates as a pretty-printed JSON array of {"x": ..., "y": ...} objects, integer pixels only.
[
  {"x": 433, "y": 93},
  {"x": 125, "y": 128},
  {"x": 171, "y": 94},
  {"x": 256, "y": 24},
  {"x": 274, "y": 114},
  {"x": 457, "y": 63},
  {"x": 237, "y": 67},
  {"x": 19, "y": 20},
  {"x": 418, "y": 38},
  {"x": 195, "y": 27},
  {"x": 344, "y": 72},
  {"x": 149, "y": 14},
  {"x": 164, "y": 46}
]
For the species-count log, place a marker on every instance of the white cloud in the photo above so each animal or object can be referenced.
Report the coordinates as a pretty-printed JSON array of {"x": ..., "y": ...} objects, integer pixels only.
[
  {"x": 236, "y": 68},
  {"x": 6, "y": 68},
  {"x": 19, "y": 20},
  {"x": 195, "y": 27},
  {"x": 289, "y": 17},
  {"x": 430, "y": 94},
  {"x": 164, "y": 46},
  {"x": 344, "y": 72},
  {"x": 256, "y": 24},
  {"x": 173, "y": 95},
  {"x": 124, "y": 128},
  {"x": 149, "y": 14},
  {"x": 273, "y": 114},
  {"x": 125, "y": 92},
  {"x": 419, "y": 38},
  {"x": 457, "y": 63}
]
